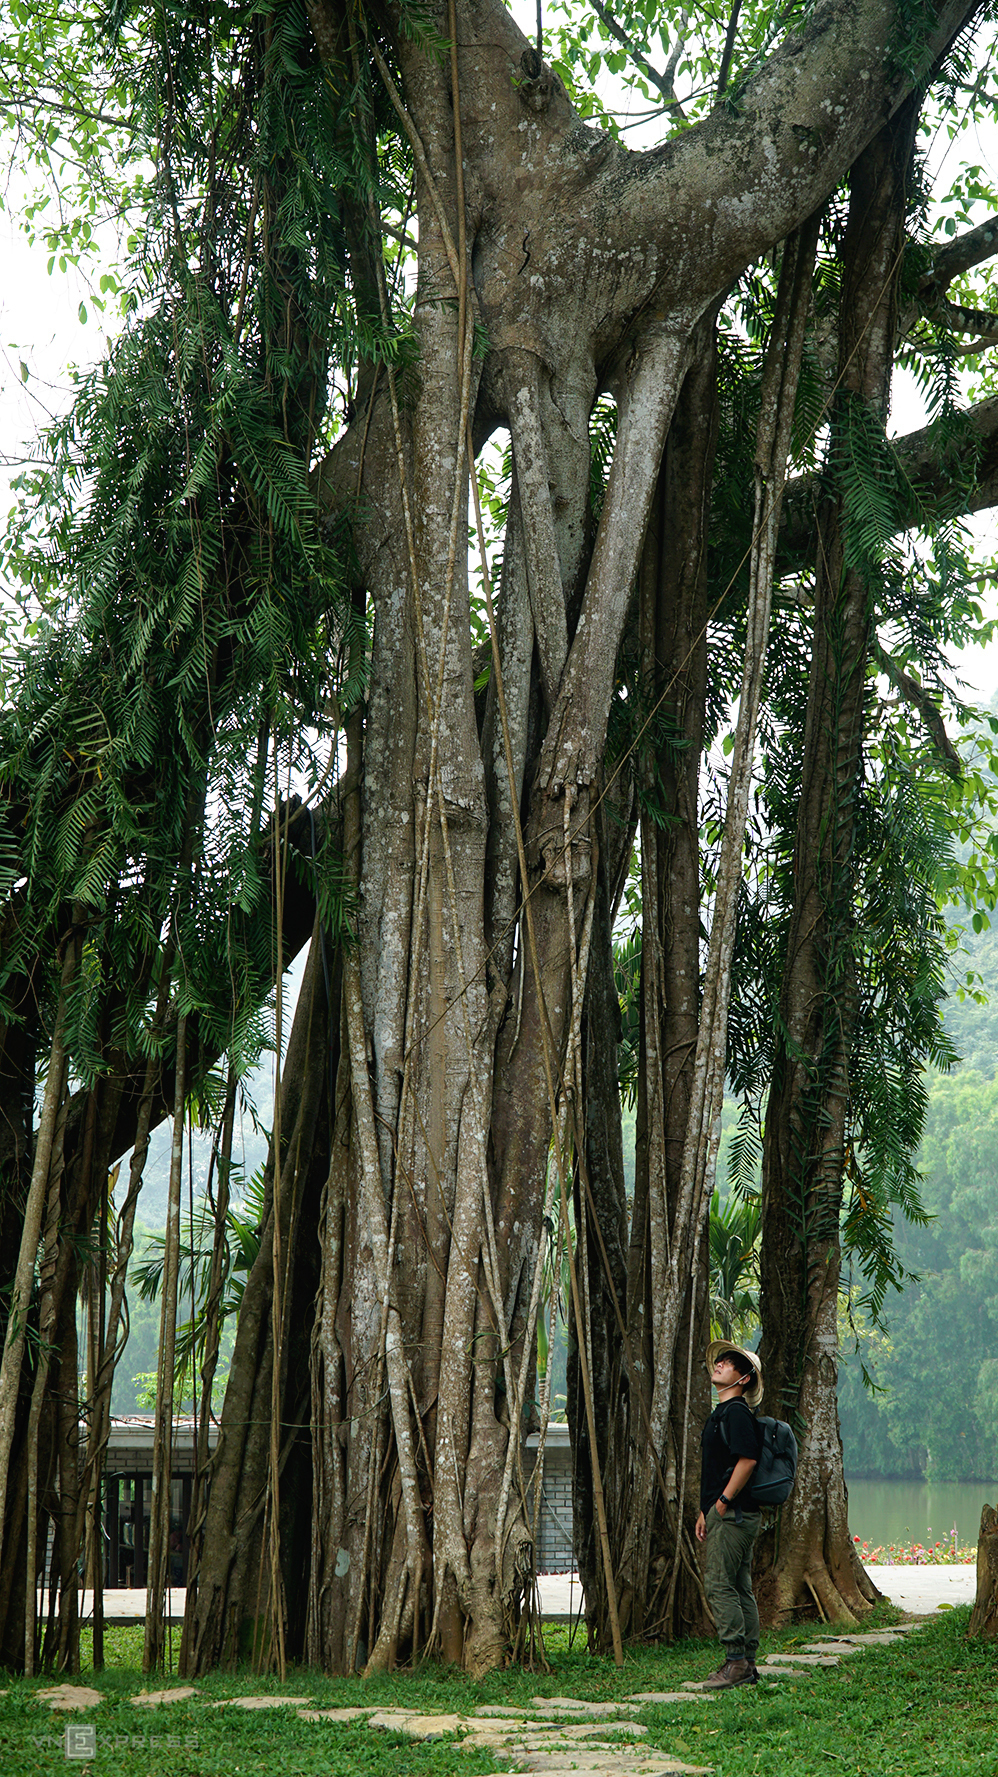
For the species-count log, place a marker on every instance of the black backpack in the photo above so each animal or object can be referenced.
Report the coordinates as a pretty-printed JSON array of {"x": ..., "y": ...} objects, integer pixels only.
[
  {"x": 774, "y": 1475},
  {"x": 776, "y": 1470}
]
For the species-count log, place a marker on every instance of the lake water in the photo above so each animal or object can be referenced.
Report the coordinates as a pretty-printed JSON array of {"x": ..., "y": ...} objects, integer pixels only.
[{"x": 918, "y": 1511}]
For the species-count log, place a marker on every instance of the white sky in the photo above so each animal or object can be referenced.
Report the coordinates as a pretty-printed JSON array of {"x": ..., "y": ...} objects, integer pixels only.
[{"x": 40, "y": 327}]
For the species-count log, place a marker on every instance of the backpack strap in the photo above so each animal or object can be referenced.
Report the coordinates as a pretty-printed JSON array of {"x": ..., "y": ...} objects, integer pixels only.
[{"x": 722, "y": 1424}]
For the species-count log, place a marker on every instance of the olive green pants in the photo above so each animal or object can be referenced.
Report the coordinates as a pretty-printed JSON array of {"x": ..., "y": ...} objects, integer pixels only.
[{"x": 727, "y": 1578}]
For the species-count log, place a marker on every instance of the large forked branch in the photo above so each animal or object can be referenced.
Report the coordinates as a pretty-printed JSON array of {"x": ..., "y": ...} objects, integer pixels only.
[
  {"x": 951, "y": 261},
  {"x": 646, "y": 398}
]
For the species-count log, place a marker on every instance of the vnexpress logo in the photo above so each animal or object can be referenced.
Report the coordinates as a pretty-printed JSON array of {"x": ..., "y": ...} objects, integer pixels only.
[{"x": 81, "y": 1740}]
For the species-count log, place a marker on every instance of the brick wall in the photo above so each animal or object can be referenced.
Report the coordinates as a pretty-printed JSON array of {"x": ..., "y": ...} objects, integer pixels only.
[{"x": 554, "y": 1533}]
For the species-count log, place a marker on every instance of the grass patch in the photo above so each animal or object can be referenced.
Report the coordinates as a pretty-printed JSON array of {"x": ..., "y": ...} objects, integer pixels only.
[{"x": 926, "y": 1706}]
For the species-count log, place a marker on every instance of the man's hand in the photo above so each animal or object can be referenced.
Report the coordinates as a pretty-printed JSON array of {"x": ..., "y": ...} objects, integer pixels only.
[
  {"x": 701, "y": 1528},
  {"x": 720, "y": 1507}
]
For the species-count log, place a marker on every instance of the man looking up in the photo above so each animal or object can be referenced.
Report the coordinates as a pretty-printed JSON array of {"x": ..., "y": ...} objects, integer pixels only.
[{"x": 729, "y": 1519}]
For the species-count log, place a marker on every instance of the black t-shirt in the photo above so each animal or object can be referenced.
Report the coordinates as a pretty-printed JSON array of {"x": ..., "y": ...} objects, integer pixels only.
[{"x": 721, "y": 1450}]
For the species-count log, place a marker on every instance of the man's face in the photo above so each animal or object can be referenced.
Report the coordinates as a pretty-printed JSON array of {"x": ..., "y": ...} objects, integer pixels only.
[{"x": 725, "y": 1374}]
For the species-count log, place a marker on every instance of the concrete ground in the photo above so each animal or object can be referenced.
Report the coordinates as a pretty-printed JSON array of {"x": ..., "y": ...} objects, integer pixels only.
[
  {"x": 920, "y": 1590},
  {"x": 925, "y": 1589}
]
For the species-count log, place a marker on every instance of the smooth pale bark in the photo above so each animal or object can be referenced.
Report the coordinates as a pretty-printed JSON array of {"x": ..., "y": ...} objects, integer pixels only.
[{"x": 812, "y": 1564}]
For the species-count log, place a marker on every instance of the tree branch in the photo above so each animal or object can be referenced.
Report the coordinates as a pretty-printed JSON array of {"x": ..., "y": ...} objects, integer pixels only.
[
  {"x": 982, "y": 323},
  {"x": 923, "y": 702},
  {"x": 661, "y": 82},
  {"x": 963, "y": 480},
  {"x": 962, "y": 254},
  {"x": 952, "y": 317},
  {"x": 729, "y": 49},
  {"x": 951, "y": 261}
]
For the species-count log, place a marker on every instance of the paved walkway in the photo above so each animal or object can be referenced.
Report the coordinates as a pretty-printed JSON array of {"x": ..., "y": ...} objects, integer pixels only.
[
  {"x": 920, "y": 1590},
  {"x": 552, "y": 1735}
]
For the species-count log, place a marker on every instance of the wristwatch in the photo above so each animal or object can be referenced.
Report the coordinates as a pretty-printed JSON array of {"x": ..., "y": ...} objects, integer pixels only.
[{"x": 723, "y": 1500}]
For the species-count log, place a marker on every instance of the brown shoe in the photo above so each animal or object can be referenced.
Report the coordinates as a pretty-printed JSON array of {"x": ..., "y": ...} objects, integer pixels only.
[{"x": 732, "y": 1673}]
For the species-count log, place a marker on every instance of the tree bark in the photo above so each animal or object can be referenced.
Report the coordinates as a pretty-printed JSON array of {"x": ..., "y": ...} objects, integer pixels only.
[
  {"x": 17, "y": 1319},
  {"x": 384, "y": 1352},
  {"x": 984, "y": 1616},
  {"x": 227, "y": 1592},
  {"x": 672, "y": 676},
  {"x": 808, "y": 1564},
  {"x": 466, "y": 1058},
  {"x": 601, "y": 1212}
]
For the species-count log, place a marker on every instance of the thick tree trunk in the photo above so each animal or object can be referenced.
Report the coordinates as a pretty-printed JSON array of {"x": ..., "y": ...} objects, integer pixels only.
[
  {"x": 809, "y": 1564},
  {"x": 656, "y": 1526},
  {"x": 984, "y": 1616},
  {"x": 227, "y": 1596},
  {"x": 477, "y": 857},
  {"x": 601, "y": 1213}
]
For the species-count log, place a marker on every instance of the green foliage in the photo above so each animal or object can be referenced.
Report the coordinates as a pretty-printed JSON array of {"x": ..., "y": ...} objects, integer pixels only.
[
  {"x": 886, "y": 946},
  {"x": 189, "y": 645},
  {"x": 140, "y": 1353},
  {"x": 936, "y": 1412},
  {"x": 655, "y": 52},
  {"x": 243, "y": 1222},
  {"x": 734, "y": 1229},
  {"x": 972, "y": 1008}
]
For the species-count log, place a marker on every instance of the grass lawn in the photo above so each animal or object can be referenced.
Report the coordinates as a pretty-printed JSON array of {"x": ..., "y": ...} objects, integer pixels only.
[{"x": 927, "y": 1705}]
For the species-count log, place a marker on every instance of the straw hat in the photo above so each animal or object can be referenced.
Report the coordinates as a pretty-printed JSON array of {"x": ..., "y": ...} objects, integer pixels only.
[{"x": 753, "y": 1394}]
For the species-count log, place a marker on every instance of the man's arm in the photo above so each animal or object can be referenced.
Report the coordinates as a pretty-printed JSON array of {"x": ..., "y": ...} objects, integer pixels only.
[{"x": 739, "y": 1479}]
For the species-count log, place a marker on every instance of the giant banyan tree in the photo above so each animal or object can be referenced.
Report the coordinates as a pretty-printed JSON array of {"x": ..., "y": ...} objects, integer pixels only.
[{"x": 312, "y": 661}]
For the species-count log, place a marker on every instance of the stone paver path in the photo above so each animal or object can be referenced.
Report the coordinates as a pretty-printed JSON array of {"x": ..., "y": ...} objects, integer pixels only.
[
  {"x": 70, "y": 1696},
  {"x": 822, "y": 1655},
  {"x": 550, "y": 1736},
  {"x": 259, "y": 1702},
  {"x": 178, "y": 1693}
]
